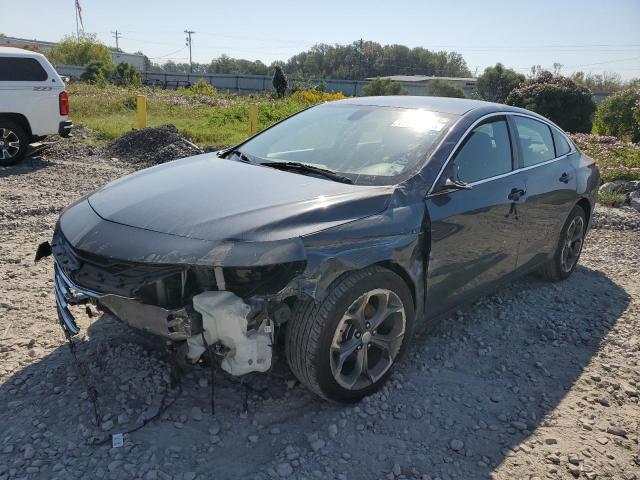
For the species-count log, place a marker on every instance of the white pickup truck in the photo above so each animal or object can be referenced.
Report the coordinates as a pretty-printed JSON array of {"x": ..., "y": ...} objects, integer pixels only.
[{"x": 33, "y": 102}]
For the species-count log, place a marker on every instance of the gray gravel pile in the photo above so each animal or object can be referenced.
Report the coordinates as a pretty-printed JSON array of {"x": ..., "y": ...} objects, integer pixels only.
[
  {"x": 621, "y": 218},
  {"x": 151, "y": 146}
]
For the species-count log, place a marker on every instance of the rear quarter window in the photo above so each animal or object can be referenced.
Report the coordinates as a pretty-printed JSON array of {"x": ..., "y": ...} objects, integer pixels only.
[
  {"x": 562, "y": 145},
  {"x": 15, "y": 69}
]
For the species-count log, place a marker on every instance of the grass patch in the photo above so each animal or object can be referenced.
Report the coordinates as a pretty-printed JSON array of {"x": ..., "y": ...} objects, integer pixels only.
[
  {"x": 618, "y": 160},
  {"x": 206, "y": 117},
  {"x": 612, "y": 199}
]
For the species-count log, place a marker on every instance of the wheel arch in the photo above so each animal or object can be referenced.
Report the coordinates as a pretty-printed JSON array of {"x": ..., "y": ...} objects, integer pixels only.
[
  {"x": 404, "y": 275},
  {"x": 585, "y": 204},
  {"x": 19, "y": 119}
]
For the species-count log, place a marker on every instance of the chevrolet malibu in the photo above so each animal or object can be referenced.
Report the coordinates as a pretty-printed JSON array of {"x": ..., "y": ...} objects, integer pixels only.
[{"x": 339, "y": 230}]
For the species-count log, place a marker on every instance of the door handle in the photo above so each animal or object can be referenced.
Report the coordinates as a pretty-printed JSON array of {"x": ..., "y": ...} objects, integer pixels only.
[
  {"x": 565, "y": 177},
  {"x": 515, "y": 194}
]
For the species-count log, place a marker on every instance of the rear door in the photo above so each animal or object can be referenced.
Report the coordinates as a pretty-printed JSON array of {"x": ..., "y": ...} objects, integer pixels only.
[
  {"x": 475, "y": 232},
  {"x": 546, "y": 161}
]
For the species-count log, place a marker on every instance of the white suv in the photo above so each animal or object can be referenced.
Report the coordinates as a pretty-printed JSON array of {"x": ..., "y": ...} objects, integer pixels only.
[{"x": 33, "y": 102}]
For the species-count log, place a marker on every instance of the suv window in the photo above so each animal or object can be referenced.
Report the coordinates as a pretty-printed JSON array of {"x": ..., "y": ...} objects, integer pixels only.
[
  {"x": 535, "y": 140},
  {"x": 562, "y": 145},
  {"x": 486, "y": 152},
  {"x": 16, "y": 69}
]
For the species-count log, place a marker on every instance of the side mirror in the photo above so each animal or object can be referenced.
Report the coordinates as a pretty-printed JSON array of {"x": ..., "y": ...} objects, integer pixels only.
[{"x": 452, "y": 185}]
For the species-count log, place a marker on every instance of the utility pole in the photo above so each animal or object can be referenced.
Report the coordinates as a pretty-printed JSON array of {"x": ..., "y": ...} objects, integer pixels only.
[
  {"x": 188, "y": 44},
  {"x": 117, "y": 36},
  {"x": 77, "y": 28}
]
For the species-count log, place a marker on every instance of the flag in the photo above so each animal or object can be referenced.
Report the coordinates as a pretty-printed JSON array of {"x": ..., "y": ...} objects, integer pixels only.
[{"x": 79, "y": 9}]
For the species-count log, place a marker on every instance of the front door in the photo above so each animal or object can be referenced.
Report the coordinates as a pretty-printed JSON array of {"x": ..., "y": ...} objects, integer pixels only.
[{"x": 475, "y": 232}]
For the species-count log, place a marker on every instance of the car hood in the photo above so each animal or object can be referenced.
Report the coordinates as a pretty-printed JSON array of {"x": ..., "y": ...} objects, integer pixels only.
[{"x": 209, "y": 198}]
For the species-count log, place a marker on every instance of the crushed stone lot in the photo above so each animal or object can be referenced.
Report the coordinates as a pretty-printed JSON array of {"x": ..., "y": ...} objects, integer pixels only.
[{"x": 538, "y": 381}]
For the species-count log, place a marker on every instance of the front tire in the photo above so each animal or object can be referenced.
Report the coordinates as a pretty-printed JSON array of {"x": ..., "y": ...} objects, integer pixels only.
[
  {"x": 345, "y": 348},
  {"x": 567, "y": 253},
  {"x": 13, "y": 142}
]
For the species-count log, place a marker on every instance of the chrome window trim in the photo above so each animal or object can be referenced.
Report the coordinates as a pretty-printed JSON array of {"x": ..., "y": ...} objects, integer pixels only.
[{"x": 517, "y": 170}]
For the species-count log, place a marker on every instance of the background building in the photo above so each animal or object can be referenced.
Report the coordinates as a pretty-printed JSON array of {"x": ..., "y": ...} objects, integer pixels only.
[{"x": 134, "y": 59}]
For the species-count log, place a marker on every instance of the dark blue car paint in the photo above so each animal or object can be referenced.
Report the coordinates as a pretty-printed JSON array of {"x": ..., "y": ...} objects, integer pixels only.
[{"x": 450, "y": 247}]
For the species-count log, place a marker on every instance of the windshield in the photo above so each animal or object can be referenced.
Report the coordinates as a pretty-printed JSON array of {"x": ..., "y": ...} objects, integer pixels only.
[{"x": 368, "y": 144}]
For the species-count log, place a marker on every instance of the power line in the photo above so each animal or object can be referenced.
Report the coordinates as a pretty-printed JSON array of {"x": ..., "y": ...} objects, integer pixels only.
[{"x": 172, "y": 53}]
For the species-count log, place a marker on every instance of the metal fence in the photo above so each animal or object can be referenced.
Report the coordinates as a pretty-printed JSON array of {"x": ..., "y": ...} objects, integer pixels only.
[{"x": 246, "y": 84}]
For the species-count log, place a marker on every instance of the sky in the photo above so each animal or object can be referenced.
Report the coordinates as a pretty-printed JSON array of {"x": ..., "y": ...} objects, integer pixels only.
[{"x": 592, "y": 36}]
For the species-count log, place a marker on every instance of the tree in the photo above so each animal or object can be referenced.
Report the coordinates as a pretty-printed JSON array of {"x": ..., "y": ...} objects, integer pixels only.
[
  {"x": 97, "y": 72},
  {"x": 279, "y": 81},
  {"x": 125, "y": 74},
  {"x": 601, "y": 82},
  {"x": 379, "y": 87},
  {"x": 558, "y": 98},
  {"x": 619, "y": 115},
  {"x": 442, "y": 88},
  {"x": 362, "y": 59},
  {"x": 495, "y": 84},
  {"x": 80, "y": 51}
]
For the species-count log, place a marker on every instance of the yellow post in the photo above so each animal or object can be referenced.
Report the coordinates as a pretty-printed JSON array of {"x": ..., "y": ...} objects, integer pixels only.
[
  {"x": 141, "y": 104},
  {"x": 253, "y": 119}
]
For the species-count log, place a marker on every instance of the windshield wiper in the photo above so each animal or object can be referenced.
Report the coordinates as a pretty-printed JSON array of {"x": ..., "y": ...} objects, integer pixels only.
[{"x": 304, "y": 168}]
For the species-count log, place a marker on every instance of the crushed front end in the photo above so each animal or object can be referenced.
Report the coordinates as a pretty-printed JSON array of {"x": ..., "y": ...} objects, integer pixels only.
[{"x": 197, "y": 300}]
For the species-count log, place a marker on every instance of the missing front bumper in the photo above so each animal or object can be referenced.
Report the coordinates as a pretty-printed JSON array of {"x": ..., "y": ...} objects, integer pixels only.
[{"x": 174, "y": 324}]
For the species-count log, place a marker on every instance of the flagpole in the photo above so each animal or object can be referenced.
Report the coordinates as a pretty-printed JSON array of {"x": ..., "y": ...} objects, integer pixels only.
[{"x": 77, "y": 29}]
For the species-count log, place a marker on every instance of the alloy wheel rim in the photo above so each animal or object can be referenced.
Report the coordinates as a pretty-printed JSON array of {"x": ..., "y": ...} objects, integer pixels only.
[
  {"x": 9, "y": 144},
  {"x": 572, "y": 244},
  {"x": 367, "y": 339}
]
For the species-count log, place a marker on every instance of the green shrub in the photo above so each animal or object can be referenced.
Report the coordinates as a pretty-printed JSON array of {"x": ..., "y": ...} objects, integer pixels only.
[
  {"x": 126, "y": 75},
  {"x": 558, "y": 98},
  {"x": 279, "y": 81},
  {"x": 619, "y": 115},
  {"x": 97, "y": 73},
  {"x": 495, "y": 84},
  {"x": 442, "y": 88},
  {"x": 380, "y": 87}
]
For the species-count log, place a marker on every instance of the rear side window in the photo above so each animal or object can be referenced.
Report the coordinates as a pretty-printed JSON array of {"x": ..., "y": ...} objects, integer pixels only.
[
  {"x": 485, "y": 153},
  {"x": 562, "y": 145},
  {"x": 535, "y": 140},
  {"x": 16, "y": 69}
]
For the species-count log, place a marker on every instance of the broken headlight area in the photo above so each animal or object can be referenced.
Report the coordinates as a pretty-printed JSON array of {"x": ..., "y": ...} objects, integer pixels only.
[{"x": 234, "y": 309}]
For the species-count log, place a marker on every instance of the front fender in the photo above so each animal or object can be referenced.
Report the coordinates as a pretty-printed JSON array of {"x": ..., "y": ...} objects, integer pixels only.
[{"x": 394, "y": 237}]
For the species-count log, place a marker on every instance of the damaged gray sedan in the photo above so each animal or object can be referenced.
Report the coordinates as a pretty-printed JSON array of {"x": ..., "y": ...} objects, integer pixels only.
[{"x": 342, "y": 228}]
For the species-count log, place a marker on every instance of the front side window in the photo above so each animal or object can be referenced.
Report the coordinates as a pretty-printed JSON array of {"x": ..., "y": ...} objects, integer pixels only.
[
  {"x": 16, "y": 69},
  {"x": 535, "y": 140},
  {"x": 368, "y": 144},
  {"x": 485, "y": 153}
]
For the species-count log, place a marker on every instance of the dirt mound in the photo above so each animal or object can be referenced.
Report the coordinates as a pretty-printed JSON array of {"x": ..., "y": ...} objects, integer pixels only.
[{"x": 152, "y": 145}]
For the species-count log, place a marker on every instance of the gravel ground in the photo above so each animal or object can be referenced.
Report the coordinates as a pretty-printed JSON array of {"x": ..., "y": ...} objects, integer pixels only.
[{"x": 537, "y": 381}]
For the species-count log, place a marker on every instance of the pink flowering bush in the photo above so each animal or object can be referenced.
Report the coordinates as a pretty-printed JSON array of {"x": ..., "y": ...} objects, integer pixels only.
[{"x": 617, "y": 159}]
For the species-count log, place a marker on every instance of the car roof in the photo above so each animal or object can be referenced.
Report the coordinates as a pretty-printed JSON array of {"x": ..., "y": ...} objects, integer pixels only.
[
  {"x": 18, "y": 52},
  {"x": 455, "y": 106}
]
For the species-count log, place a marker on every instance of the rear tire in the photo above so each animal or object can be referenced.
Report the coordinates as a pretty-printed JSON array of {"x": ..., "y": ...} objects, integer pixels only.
[
  {"x": 568, "y": 249},
  {"x": 14, "y": 142},
  {"x": 344, "y": 348}
]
